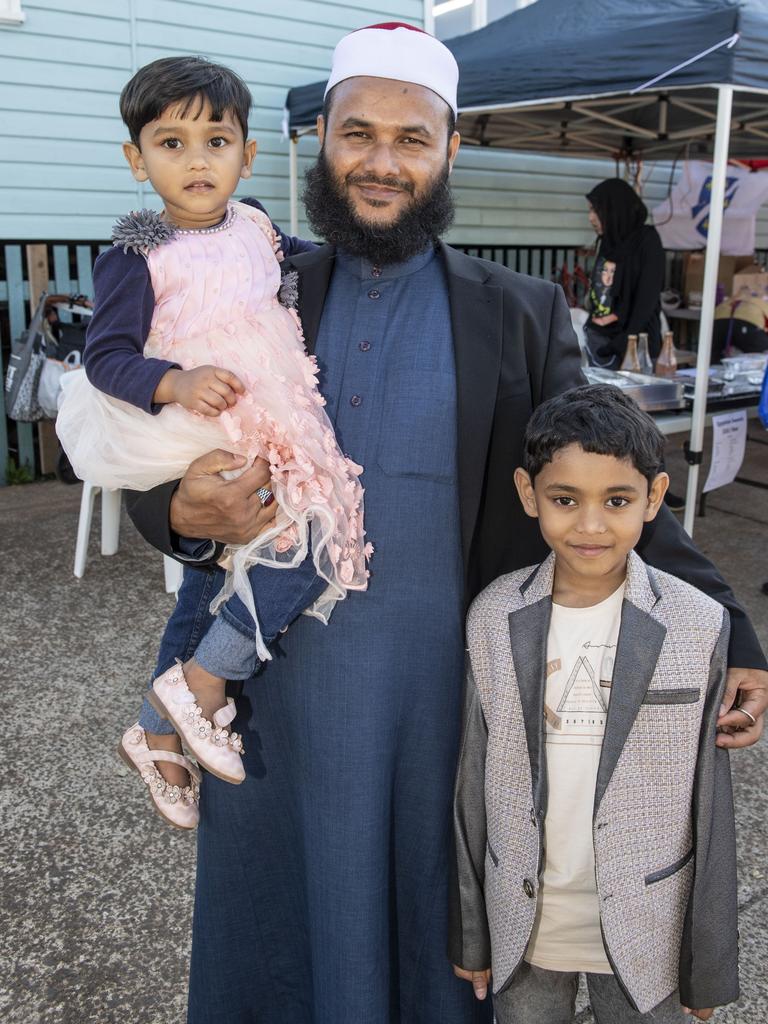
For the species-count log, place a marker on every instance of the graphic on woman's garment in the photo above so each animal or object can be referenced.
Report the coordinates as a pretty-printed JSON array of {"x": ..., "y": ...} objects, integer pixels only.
[
  {"x": 576, "y": 704},
  {"x": 601, "y": 289}
]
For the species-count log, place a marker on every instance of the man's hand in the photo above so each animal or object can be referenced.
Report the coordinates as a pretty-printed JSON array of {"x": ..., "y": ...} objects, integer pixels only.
[
  {"x": 206, "y": 505},
  {"x": 479, "y": 979},
  {"x": 751, "y": 686},
  {"x": 699, "y": 1014},
  {"x": 603, "y": 321},
  {"x": 206, "y": 389}
]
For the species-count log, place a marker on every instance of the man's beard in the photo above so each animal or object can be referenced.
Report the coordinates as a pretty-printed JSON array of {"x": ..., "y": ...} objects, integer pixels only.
[{"x": 332, "y": 216}]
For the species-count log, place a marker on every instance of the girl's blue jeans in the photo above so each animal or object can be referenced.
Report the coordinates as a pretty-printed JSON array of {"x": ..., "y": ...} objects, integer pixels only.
[{"x": 225, "y": 644}]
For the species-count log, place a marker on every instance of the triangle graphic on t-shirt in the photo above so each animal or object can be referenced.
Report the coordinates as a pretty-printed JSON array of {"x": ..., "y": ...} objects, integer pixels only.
[{"x": 582, "y": 693}]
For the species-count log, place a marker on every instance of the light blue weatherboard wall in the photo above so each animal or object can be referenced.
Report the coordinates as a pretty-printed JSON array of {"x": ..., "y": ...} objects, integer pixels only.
[{"x": 62, "y": 175}]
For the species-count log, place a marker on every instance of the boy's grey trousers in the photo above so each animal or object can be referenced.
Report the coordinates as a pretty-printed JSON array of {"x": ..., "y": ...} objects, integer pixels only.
[{"x": 536, "y": 996}]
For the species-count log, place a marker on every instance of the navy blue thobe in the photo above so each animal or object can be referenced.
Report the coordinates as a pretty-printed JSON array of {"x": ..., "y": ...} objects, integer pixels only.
[{"x": 322, "y": 880}]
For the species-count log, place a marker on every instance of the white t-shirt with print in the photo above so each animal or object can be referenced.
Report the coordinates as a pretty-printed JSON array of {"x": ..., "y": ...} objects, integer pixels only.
[{"x": 581, "y": 648}]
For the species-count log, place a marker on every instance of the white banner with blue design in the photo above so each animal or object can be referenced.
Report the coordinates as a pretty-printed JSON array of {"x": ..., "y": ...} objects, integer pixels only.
[{"x": 682, "y": 220}]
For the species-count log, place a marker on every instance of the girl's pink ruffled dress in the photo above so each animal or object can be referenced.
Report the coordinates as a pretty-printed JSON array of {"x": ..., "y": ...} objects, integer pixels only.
[{"x": 216, "y": 304}]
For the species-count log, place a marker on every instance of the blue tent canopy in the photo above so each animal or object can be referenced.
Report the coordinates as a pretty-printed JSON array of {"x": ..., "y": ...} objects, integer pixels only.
[{"x": 560, "y": 77}]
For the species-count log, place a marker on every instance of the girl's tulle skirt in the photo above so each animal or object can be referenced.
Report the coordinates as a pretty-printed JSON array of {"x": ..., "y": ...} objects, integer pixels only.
[{"x": 280, "y": 418}]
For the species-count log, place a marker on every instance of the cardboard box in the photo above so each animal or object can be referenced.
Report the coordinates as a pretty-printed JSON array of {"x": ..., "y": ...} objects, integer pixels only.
[
  {"x": 752, "y": 278},
  {"x": 728, "y": 267}
]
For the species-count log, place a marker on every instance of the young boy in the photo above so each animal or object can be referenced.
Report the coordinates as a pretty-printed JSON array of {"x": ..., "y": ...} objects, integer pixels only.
[{"x": 593, "y": 811}]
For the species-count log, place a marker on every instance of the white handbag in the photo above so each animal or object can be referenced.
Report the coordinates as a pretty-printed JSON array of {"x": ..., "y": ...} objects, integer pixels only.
[{"x": 49, "y": 388}]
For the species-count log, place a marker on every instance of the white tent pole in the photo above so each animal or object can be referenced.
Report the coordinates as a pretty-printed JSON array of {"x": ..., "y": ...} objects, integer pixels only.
[
  {"x": 711, "y": 260},
  {"x": 479, "y": 14},
  {"x": 429, "y": 17},
  {"x": 293, "y": 176}
]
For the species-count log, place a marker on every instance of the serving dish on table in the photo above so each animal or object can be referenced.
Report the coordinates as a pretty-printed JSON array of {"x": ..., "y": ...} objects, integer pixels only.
[
  {"x": 652, "y": 394},
  {"x": 737, "y": 378}
]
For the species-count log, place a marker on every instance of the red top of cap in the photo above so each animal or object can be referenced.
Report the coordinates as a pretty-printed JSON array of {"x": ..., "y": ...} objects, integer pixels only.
[{"x": 391, "y": 25}]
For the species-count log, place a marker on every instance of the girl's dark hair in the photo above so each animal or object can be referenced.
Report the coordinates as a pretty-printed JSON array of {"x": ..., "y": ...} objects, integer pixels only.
[
  {"x": 185, "y": 80},
  {"x": 599, "y": 418}
]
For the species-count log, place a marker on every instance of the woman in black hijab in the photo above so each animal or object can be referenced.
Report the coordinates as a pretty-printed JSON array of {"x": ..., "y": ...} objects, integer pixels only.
[{"x": 628, "y": 276}]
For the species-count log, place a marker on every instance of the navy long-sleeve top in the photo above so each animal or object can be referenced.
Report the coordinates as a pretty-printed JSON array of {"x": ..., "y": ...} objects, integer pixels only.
[{"x": 124, "y": 304}]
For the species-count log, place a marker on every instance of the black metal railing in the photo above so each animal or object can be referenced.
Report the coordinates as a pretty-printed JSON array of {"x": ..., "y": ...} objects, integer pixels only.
[{"x": 537, "y": 260}]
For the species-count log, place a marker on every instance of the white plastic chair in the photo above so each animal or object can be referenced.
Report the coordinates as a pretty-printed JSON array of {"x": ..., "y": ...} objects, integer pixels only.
[
  {"x": 173, "y": 571},
  {"x": 110, "y": 524},
  {"x": 579, "y": 319},
  {"x": 174, "y": 574}
]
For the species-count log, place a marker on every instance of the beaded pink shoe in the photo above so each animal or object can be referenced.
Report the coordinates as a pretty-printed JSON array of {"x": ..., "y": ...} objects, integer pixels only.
[
  {"x": 177, "y": 804},
  {"x": 214, "y": 747}
]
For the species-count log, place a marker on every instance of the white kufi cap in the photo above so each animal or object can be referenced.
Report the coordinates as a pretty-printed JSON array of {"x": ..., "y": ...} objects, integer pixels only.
[{"x": 398, "y": 51}]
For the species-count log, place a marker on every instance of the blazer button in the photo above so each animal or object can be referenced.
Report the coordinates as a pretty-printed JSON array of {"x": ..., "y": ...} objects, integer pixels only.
[
  {"x": 533, "y": 817},
  {"x": 528, "y": 888}
]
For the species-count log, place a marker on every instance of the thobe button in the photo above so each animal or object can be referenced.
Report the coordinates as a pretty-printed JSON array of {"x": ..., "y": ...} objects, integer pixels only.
[
  {"x": 375, "y": 271},
  {"x": 528, "y": 888},
  {"x": 355, "y": 400},
  {"x": 364, "y": 346},
  {"x": 374, "y": 293}
]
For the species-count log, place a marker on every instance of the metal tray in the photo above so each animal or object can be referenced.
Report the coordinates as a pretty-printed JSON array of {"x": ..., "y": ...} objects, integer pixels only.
[
  {"x": 724, "y": 383},
  {"x": 652, "y": 394}
]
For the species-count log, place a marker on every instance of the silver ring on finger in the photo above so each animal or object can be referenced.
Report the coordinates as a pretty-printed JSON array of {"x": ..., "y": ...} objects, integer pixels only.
[
  {"x": 265, "y": 496},
  {"x": 750, "y": 716}
]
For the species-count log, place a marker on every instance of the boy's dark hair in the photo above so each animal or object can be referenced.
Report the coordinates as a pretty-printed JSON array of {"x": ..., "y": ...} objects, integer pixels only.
[
  {"x": 185, "y": 80},
  {"x": 599, "y": 418}
]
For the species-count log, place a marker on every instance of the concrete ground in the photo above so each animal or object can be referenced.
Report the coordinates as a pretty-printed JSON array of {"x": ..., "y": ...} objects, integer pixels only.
[{"x": 95, "y": 893}]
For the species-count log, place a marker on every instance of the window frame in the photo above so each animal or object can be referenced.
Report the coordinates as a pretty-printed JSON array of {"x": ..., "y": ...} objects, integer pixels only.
[
  {"x": 11, "y": 13},
  {"x": 479, "y": 13}
]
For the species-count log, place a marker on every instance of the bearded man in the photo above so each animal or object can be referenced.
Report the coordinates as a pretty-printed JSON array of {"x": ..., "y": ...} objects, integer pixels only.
[{"x": 322, "y": 887}]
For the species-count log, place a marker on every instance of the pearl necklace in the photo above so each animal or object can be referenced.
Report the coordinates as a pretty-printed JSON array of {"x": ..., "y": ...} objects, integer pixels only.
[{"x": 226, "y": 223}]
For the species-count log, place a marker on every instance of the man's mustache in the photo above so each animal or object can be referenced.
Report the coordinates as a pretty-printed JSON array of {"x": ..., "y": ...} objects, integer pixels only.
[{"x": 371, "y": 179}]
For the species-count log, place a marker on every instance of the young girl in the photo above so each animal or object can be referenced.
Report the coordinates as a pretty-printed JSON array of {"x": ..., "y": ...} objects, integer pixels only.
[{"x": 189, "y": 350}]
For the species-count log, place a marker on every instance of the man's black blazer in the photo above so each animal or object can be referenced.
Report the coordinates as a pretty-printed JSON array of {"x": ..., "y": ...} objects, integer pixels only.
[{"x": 514, "y": 347}]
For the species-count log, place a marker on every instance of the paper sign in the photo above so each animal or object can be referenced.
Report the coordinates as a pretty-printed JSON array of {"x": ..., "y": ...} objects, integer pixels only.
[{"x": 729, "y": 441}]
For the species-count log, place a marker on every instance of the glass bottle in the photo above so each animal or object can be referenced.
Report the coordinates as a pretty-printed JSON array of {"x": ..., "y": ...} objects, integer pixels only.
[
  {"x": 644, "y": 356},
  {"x": 666, "y": 364},
  {"x": 630, "y": 361}
]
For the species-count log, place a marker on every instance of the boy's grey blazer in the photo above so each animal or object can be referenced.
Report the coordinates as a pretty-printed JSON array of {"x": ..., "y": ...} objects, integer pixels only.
[{"x": 663, "y": 827}]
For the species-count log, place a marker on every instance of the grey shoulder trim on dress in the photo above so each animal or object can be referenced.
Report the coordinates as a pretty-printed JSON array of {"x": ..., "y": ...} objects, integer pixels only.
[
  {"x": 288, "y": 294},
  {"x": 142, "y": 231}
]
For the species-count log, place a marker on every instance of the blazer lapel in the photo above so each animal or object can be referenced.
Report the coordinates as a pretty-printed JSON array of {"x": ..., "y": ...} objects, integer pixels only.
[
  {"x": 528, "y": 631},
  {"x": 315, "y": 269},
  {"x": 476, "y": 319},
  {"x": 640, "y": 641}
]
